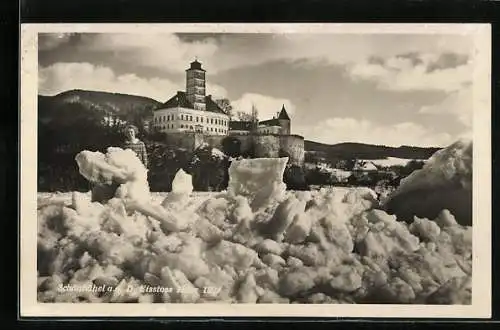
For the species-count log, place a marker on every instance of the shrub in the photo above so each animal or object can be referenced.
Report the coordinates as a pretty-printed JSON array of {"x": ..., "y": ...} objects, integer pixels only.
[
  {"x": 295, "y": 178},
  {"x": 231, "y": 146}
]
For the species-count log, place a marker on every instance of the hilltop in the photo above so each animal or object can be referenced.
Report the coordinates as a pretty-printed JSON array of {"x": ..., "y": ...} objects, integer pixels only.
[
  {"x": 366, "y": 151},
  {"x": 75, "y": 107},
  {"x": 82, "y": 104}
]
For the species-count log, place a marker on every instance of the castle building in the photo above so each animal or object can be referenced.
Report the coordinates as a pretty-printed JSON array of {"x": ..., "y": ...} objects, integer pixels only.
[
  {"x": 278, "y": 125},
  {"x": 190, "y": 119},
  {"x": 192, "y": 110}
]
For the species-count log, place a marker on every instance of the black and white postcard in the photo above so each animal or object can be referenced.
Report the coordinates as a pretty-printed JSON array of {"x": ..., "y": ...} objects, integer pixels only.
[{"x": 256, "y": 170}]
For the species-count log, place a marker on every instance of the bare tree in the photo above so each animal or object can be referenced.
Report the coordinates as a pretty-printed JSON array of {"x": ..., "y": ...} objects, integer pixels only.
[
  {"x": 254, "y": 117},
  {"x": 243, "y": 116},
  {"x": 255, "y": 113},
  {"x": 226, "y": 106}
]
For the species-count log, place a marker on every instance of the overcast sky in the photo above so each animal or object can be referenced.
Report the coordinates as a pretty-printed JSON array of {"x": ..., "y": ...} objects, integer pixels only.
[{"x": 380, "y": 89}]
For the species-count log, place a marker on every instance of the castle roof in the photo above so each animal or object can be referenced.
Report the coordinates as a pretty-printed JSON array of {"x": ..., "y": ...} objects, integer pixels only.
[
  {"x": 195, "y": 65},
  {"x": 211, "y": 106},
  {"x": 283, "y": 114},
  {"x": 237, "y": 125},
  {"x": 180, "y": 100},
  {"x": 270, "y": 122}
]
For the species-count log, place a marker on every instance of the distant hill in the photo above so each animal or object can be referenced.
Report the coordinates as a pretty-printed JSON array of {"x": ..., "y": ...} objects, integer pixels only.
[
  {"x": 366, "y": 151},
  {"x": 74, "y": 110},
  {"x": 72, "y": 105}
]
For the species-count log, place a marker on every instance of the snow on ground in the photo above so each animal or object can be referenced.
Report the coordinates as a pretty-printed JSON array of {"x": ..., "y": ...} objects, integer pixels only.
[
  {"x": 255, "y": 243},
  {"x": 218, "y": 153},
  {"x": 339, "y": 174},
  {"x": 391, "y": 161}
]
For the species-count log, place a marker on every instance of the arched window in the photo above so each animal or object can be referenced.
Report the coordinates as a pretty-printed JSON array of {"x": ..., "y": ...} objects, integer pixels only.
[{"x": 182, "y": 126}]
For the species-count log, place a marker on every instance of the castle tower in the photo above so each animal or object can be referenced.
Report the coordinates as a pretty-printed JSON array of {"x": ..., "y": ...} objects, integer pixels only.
[
  {"x": 195, "y": 85},
  {"x": 284, "y": 121}
]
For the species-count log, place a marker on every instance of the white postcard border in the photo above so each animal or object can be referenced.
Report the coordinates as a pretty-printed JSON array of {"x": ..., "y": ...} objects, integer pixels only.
[{"x": 481, "y": 275}]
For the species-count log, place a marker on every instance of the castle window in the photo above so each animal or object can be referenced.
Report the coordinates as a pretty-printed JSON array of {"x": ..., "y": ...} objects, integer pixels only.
[
  {"x": 182, "y": 126},
  {"x": 182, "y": 117},
  {"x": 190, "y": 127},
  {"x": 191, "y": 118},
  {"x": 211, "y": 120},
  {"x": 197, "y": 119},
  {"x": 202, "y": 119}
]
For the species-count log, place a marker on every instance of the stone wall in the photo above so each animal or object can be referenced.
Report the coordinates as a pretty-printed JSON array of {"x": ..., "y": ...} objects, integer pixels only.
[
  {"x": 293, "y": 145},
  {"x": 266, "y": 146},
  {"x": 181, "y": 140},
  {"x": 263, "y": 145},
  {"x": 215, "y": 141}
]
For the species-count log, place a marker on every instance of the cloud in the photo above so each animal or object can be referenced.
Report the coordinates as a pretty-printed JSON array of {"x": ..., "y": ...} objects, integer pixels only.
[
  {"x": 338, "y": 130},
  {"x": 267, "y": 106},
  {"x": 217, "y": 91},
  {"x": 165, "y": 52},
  {"x": 48, "y": 41},
  {"x": 332, "y": 48},
  {"x": 448, "y": 61},
  {"x": 61, "y": 77},
  {"x": 66, "y": 76},
  {"x": 171, "y": 52},
  {"x": 457, "y": 104},
  {"x": 412, "y": 71}
]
